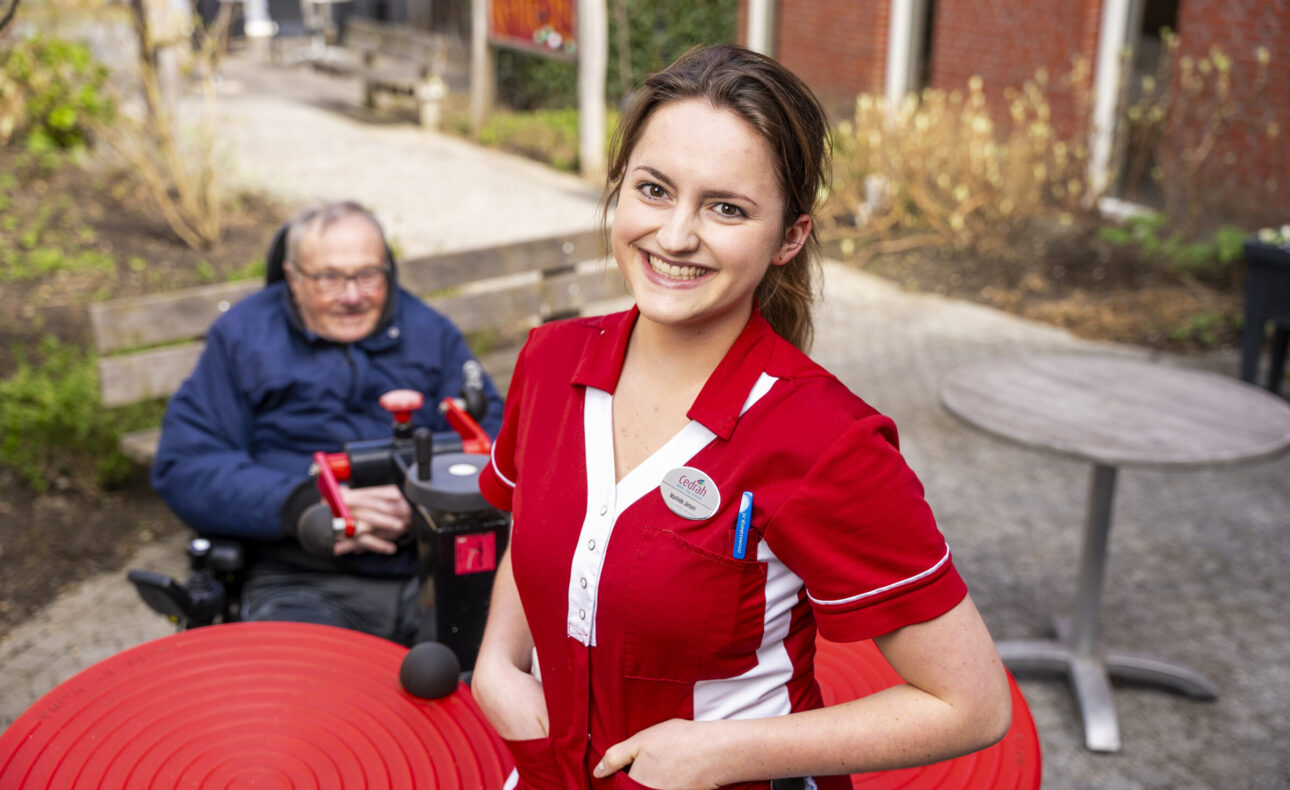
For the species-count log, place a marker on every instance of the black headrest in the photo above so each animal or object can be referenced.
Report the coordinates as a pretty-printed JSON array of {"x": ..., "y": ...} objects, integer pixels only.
[{"x": 277, "y": 256}]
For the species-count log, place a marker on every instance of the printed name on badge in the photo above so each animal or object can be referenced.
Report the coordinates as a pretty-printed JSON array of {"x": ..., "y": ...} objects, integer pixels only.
[{"x": 690, "y": 493}]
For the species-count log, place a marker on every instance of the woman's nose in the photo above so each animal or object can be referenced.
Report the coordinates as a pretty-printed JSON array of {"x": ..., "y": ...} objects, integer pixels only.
[{"x": 678, "y": 233}]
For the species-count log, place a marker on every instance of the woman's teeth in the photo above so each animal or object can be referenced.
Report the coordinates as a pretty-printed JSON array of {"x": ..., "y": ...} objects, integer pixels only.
[{"x": 672, "y": 270}]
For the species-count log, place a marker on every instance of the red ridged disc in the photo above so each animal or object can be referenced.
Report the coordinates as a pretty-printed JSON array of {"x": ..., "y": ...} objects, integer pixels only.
[
  {"x": 284, "y": 705},
  {"x": 853, "y": 670},
  {"x": 265, "y": 705}
]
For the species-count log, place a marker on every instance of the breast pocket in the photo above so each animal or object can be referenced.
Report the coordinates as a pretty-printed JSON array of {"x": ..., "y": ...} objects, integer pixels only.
[{"x": 694, "y": 614}]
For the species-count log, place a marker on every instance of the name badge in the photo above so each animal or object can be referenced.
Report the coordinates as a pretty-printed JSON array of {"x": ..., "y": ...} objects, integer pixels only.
[{"x": 690, "y": 493}]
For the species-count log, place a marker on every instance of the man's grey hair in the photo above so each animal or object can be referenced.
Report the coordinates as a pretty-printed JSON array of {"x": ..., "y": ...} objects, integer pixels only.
[{"x": 313, "y": 221}]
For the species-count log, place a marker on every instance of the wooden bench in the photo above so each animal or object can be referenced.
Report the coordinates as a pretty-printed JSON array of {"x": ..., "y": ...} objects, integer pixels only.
[
  {"x": 396, "y": 59},
  {"x": 149, "y": 344}
]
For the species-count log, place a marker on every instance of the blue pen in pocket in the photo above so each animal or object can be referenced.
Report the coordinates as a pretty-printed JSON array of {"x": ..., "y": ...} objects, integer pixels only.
[{"x": 742, "y": 523}]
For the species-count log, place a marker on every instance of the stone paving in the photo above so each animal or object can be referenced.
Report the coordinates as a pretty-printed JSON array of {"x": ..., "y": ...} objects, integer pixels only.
[{"x": 1197, "y": 570}]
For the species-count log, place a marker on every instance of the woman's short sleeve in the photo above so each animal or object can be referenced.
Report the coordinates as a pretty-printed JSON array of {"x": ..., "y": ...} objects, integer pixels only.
[
  {"x": 859, "y": 533},
  {"x": 497, "y": 480}
]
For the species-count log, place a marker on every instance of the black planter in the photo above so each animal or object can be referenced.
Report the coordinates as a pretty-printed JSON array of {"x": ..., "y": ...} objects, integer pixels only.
[{"x": 1267, "y": 298}]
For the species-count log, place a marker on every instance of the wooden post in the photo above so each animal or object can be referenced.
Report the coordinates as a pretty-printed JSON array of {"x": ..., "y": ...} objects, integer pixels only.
[
  {"x": 483, "y": 67},
  {"x": 593, "y": 61}
]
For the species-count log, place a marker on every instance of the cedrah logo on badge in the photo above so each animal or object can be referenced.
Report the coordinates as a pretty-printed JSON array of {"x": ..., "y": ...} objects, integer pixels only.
[{"x": 690, "y": 493}]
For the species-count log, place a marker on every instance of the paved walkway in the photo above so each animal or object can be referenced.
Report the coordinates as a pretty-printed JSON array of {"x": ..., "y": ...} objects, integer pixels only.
[{"x": 1199, "y": 559}]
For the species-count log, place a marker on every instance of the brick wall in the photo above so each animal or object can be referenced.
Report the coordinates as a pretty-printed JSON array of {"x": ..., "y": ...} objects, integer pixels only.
[
  {"x": 839, "y": 47},
  {"x": 1249, "y": 168},
  {"x": 1006, "y": 42}
]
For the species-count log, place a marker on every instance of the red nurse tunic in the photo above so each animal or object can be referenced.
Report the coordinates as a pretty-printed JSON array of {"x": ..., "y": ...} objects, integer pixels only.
[{"x": 640, "y": 615}]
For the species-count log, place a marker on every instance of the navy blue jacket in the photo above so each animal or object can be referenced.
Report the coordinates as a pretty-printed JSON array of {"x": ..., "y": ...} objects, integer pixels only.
[{"x": 239, "y": 435}]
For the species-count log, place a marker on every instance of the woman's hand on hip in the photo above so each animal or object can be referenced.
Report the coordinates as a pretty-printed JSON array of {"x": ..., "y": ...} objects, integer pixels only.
[{"x": 677, "y": 754}]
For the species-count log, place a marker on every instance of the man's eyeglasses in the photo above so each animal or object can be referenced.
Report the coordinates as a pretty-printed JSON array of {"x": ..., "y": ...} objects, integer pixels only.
[{"x": 330, "y": 281}]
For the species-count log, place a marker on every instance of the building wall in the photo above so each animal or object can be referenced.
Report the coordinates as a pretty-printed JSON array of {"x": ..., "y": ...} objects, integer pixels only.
[
  {"x": 839, "y": 47},
  {"x": 1007, "y": 42},
  {"x": 1251, "y": 168}
]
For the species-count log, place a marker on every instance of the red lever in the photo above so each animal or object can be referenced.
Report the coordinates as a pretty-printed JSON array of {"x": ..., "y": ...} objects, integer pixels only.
[
  {"x": 401, "y": 403},
  {"x": 473, "y": 438},
  {"x": 331, "y": 492},
  {"x": 340, "y": 467}
]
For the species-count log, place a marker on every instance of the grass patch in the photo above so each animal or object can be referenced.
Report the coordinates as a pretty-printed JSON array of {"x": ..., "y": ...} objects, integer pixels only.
[{"x": 56, "y": 433}]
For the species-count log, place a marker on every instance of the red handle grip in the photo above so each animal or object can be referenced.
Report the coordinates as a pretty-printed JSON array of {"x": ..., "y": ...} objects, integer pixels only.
[
  {"x": 473, "y": 438},
  {"x": 331, "y": 492}
]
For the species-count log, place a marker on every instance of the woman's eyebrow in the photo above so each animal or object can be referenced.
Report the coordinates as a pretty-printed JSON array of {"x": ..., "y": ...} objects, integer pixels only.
[
  {"x": 657, "y": 174},
  {"x": 711, "y": 194}
]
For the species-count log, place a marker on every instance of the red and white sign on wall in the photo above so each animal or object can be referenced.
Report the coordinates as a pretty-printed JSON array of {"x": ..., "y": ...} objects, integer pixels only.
[{"x": 545, "y": 27}]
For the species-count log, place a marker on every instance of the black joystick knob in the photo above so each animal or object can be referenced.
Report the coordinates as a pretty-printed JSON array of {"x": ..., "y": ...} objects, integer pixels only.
[
  {"x": 423, "y": 447},
  {"x": 430, "y": 670},
  {"x": 199, "y": 552}
]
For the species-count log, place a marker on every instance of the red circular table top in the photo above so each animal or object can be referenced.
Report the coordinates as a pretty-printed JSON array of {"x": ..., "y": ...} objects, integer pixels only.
[
  {"x": 287, "y": 705},
  {"x": 855, "y": 669}
]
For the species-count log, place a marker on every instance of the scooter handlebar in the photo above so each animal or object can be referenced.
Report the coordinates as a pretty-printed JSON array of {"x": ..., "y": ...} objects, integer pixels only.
[{"x": 316, "y": 530}]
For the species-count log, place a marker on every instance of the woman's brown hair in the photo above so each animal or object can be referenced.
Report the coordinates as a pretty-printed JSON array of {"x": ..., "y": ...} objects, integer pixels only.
[{"x": 782, "y": 109}]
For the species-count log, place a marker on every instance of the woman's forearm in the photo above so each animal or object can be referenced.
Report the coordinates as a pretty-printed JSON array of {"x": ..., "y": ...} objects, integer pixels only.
[
  {"x": 955, "y": 700},
  {"x": 510, "y": 697},
  {"x": 895, "y": 728}
]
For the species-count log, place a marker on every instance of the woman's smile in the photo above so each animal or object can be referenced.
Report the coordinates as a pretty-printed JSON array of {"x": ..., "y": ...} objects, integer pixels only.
[{"x": 674, "y": 271}]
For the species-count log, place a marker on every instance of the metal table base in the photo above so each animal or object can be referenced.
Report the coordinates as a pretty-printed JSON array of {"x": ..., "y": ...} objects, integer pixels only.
[{"x": 1076, "y": 652}]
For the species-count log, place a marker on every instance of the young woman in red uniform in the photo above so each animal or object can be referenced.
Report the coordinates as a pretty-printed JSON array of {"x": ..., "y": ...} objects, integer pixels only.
[{"x": 693, "y": 497}]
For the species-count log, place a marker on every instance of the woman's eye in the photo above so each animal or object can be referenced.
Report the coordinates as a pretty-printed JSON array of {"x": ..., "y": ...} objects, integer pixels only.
[
  {"x": 652, "y": 190},
  {"x": 729, "y": 210}
]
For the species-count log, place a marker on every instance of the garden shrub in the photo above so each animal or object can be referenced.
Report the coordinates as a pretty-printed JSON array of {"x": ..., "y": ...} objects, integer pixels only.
[
  {"x": 52, "y": 92},
  {"x": 942, "y": 169},
  {"x": 1150, "y": 235},
  {"x": 939, "y": 171},
  {"x": 53, "y": 427}
]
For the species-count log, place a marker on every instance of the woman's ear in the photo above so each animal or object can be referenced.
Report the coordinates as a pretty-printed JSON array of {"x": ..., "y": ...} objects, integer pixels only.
[{"x": 795, "y": 237}]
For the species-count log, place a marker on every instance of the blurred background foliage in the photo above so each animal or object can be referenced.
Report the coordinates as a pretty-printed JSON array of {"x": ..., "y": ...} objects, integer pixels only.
[
  {"x": 52, "y": 93},
  {"x": 656, "y": 32}
]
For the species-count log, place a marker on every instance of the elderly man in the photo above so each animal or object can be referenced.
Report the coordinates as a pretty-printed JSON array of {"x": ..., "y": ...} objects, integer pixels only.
[{"x": 293, "y": 369}]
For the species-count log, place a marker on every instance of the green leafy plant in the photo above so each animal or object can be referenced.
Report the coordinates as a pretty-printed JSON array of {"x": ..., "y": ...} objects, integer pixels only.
[
  {"x": 53, "y": 425},
  {"x": 51, "y": 238},
  {"x": 1204, "y": 328},
  {"x": 52, "y": 92},
  {"x": 1153, "y": 236},
  {"x": 549, "y": 136}
]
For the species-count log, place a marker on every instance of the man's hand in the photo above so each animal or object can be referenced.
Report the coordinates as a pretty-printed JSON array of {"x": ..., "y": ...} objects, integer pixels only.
[
  {"x": 673, "y": 755},
  {"x": 381, "y": 516}
]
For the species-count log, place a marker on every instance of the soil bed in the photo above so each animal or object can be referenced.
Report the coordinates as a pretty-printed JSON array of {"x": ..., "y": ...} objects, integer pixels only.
[
  {"x": 114, "y": 243},
  {"x": 1095, "y": 290}
]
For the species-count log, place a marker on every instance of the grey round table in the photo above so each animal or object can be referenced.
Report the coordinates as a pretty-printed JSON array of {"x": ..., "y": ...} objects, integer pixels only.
[{"x": 1112, "y": 411}]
